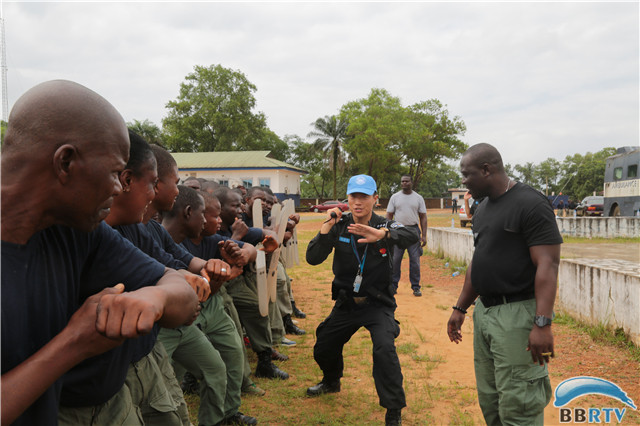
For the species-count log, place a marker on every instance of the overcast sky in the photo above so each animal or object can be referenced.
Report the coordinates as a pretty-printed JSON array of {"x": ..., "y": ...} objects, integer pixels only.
[{"x": 536, "y": 80}]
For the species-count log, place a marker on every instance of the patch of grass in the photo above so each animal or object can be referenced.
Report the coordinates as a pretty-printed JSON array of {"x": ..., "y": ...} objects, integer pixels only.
[
  {"x": 601, "y": 240},
  {"x": 602, "y": 334},
  {"x": 443, "y": 307},
  {"x": 407, "y": 348},
  {"x": 459, "y": 417}
]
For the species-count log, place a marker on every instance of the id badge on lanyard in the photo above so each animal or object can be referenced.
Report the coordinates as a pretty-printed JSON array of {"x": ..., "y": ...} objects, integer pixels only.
[
  {"x": 357, "y": 282},
  {"x": 358, "y": 279}
]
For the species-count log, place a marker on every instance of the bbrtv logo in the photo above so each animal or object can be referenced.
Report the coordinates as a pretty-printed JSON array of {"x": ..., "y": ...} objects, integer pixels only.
[{"x": 575, "y": 387}]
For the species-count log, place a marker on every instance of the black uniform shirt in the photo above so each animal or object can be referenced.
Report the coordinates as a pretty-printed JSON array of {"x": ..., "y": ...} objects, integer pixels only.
[{"x": 376, "y": 277}]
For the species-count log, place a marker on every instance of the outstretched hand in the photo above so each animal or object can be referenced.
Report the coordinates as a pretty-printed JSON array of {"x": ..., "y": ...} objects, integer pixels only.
[{"x": 368, "y": 233}]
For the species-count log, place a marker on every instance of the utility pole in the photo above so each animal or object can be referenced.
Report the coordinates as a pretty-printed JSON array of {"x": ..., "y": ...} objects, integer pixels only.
[{"x": 5, "y": 96}]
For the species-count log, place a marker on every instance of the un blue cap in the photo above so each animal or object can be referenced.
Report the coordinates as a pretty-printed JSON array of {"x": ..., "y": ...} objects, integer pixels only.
[{"x": 362, "y": 183}]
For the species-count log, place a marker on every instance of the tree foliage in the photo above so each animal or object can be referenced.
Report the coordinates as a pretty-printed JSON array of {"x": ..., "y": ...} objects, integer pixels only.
[
  {"x": 431, "y": 138},
  {"x": 148, "y": 130},
  {"x": 577, "y": 176},
  {"x": 387, "y": 139},
  {"x": 330, "y": 133},
  {"x": 214, "y": 111}
]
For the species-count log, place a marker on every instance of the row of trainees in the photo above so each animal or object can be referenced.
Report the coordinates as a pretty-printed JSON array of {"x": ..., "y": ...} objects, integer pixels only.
[{"x": 100, "y": 302}]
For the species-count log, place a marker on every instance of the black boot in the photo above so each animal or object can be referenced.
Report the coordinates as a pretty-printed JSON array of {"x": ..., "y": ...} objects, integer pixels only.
[
  {"x": 297, "y": 312},
  {"x": 189, "y": 384},
  {"x": 290, "y": 327},
  {"x": 393, "y": 417},
  {"x": 277, "y": 356},
  {"x": 325, "y": 386},
  {"x": 268, "y": 369},
  {"x": 240, "y": 419}
]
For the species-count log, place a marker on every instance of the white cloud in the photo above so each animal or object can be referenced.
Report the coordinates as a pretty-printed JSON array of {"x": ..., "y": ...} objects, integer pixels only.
[{"x": 537, "y": 80}]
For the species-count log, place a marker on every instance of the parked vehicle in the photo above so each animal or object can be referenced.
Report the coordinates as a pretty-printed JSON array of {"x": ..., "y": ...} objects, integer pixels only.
[
  {"x": 591, "y": 206},
  {"x": 328, "y": 205},
  {"x": 622, "y": 183}
]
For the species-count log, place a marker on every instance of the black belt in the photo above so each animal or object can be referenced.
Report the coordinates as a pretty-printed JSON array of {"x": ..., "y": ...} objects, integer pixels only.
[{"x": 489, "y": 301}]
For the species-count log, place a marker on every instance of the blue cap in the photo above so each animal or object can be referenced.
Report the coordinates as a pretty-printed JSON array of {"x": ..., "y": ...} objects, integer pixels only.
[{"x": 362, "y": 183}]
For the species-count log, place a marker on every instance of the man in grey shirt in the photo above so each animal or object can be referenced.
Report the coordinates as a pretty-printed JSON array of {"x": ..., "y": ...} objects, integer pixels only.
[{"x": 409, "y": 209}]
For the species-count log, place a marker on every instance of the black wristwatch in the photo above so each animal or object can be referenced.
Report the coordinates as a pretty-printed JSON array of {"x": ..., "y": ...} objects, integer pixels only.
[{"x": 542, "y": 321}]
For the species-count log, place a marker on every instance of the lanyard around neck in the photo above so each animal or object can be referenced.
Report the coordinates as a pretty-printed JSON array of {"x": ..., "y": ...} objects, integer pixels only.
[{"x": 355, "y": 251}]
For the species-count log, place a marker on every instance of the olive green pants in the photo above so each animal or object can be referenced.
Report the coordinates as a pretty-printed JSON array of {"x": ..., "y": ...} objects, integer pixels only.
[
  {"x": 221, "y": 331},
  {"x": 188, "y": 346},
  {"x": 243, "y": 290},
  {"x": 512, "y": 389},
  {"x": 150, "y": 395}
]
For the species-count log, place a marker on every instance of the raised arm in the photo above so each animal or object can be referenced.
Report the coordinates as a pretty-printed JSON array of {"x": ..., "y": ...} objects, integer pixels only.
[{"x": 321, "y": 245}]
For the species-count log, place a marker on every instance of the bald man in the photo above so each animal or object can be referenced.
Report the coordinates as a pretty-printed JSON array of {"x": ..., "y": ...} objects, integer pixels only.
[
  {"x": 514, "y": 270},
  {"x": 65, "y": 146}
]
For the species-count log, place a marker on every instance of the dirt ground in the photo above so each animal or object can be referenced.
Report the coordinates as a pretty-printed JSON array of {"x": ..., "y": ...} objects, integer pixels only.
[{"x": 423, "y": 329}]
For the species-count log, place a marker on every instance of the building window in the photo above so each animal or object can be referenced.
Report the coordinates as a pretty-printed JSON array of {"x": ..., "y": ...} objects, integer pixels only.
[
  {"x": 265, "y": 182},
  {"x": 247, "y": 182},
  {"x": 224, "y": 182},
  {"x": 632, "y": 171}
]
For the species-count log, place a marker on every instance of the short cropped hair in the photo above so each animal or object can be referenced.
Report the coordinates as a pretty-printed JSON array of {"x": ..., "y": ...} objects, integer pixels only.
[
  {"x": 140, "y": 154},
  {"x": 186, "y": 197},
  {"x": 165, "y": 160}
]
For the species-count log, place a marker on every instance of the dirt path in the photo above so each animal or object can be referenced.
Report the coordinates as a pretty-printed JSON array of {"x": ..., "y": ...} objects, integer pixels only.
[{"x": 438, "y": 375}]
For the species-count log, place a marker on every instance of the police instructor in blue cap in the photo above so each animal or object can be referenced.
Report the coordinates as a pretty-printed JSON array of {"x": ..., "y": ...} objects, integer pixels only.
[{"x": 363, "y": 292}]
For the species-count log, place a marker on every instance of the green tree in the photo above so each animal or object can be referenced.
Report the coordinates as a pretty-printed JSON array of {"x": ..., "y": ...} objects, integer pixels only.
[
  {"x": 214, "y": 111},
  {"x": 430, "y": 137},
  {"x": 584, "y": 174},
  {"x": 437, "y": 180},
  {"x": 527, "y": 174},
  {"x": 330, "y": 132},
  {"x": 306, "y": 155},
  {"x": 376, "y": 125},
  {"x": 147, "y": 129},
  {"x": 547, "y": 174}
]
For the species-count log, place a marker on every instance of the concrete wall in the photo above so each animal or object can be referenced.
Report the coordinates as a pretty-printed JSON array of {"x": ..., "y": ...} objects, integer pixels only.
[
  {"x": 601, "y": 292},
  {"x": 595, "y": 291},
  {"x": 454, "y": 243},
  {"x": 605, "y": 227}
]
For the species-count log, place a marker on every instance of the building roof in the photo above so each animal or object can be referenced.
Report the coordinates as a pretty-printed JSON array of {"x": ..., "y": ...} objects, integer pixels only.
[{"x": 226, "y": 160}]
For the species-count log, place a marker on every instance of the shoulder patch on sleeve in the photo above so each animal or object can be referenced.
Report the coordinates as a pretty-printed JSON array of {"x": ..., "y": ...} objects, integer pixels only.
[{"x": 396, "y": 225}]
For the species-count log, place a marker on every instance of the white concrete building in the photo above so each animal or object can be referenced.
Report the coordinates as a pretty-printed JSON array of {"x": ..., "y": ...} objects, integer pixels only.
[{"x": 246, "y": 168}]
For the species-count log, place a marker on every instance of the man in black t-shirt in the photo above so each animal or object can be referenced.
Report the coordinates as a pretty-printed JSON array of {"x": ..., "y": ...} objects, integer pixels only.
[{"x": 514, "y": 270}]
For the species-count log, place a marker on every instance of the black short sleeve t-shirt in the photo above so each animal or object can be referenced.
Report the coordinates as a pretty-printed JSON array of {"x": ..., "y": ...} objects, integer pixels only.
[
  {"x": 503, "y": 231},
  {"x": 208, "y": 247},
  {"x": 93, "y": 381},
  {"x": 45, "y": 281},
  {"x": 164, "y": 240}
]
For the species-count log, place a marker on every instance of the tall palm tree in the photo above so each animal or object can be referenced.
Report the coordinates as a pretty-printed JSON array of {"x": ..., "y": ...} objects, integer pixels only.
[{"x": 330, "y": 132}]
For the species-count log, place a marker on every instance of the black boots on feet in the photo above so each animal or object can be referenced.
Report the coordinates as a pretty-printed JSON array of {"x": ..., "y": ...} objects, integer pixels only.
[
  {"x": 297, "y": 312},
  {"x": 290, "y": 327},
  {"x": 325, "y": 386},
  {"x": 268, "y": 369},
  {"x": 393, "y": 417}
]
